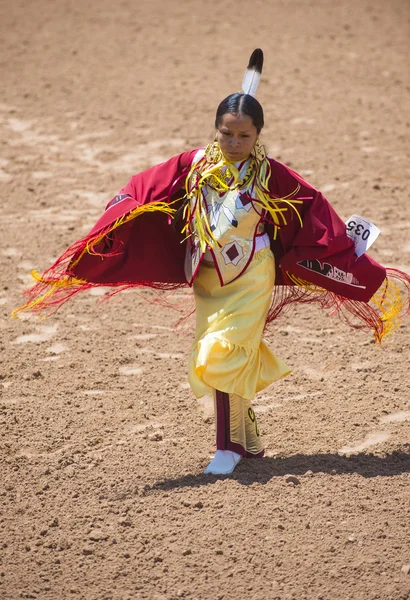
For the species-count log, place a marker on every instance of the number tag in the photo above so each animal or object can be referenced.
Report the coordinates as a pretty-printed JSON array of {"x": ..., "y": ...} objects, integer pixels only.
[{"x": 362, "y": 232}]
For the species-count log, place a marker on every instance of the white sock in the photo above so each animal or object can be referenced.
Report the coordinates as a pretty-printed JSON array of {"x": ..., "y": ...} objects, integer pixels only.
[{"x": 223, "y": 463}]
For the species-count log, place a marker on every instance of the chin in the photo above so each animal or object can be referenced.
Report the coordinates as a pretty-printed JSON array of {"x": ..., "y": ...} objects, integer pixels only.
[{"x": 234, "y": 158}]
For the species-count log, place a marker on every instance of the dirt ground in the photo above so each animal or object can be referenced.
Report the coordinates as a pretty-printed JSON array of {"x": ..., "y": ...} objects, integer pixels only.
[{"x": 103, "y": 446}]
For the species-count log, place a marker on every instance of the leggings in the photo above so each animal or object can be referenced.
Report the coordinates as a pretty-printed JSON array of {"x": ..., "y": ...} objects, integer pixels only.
[{"x": 236, "y": 425}]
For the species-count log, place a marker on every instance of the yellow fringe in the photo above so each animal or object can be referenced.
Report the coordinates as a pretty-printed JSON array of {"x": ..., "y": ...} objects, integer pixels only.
[
  {"x": 195, "y": 208},
  {"x": 390, "y": 302},
  {"x": 306, "y": 285},
  {"x": 66, "y": 282},
  {"x": 144, "y": 208}
]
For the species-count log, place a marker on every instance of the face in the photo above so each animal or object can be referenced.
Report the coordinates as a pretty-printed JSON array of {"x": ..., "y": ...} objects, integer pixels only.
[{"x": 236, "y": 135}]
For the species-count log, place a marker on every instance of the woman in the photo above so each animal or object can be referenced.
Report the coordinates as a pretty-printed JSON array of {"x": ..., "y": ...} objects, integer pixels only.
[
  {"x": 251, "y": 237},
  {"x": 233, "y": 285}
]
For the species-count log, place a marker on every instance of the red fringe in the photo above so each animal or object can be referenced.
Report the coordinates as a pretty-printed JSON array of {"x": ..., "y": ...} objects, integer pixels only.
[
  {"x": 355, "y": 314},
  {"x": 62, "y": 295},
  {"x": 60, "y": 271}
]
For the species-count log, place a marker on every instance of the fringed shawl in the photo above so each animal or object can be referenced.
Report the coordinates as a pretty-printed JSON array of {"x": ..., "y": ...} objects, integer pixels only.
[{"x": 135, "y": 244}]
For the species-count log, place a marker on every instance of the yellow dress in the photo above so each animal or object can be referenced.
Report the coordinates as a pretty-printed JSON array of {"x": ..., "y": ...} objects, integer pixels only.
[{"x": 228, "y": 352}]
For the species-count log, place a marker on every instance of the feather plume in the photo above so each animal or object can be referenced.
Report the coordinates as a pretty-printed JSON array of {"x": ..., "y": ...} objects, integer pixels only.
[{"x": 253, "y": 73}]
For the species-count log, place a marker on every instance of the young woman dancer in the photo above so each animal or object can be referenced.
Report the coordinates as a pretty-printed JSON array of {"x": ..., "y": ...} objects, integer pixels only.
[{"x": 250, "y": 236}]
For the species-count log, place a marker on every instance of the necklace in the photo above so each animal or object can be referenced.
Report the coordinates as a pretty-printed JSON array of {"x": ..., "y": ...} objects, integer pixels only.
[{"x": 225, "y": 179}]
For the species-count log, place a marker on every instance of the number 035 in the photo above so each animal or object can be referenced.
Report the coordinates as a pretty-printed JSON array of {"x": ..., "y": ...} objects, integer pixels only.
[{"x": 358, "y": 230}]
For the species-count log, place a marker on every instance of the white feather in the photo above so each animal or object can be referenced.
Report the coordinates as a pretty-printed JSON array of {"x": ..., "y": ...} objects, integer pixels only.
[{"x": 251, "y": 81}]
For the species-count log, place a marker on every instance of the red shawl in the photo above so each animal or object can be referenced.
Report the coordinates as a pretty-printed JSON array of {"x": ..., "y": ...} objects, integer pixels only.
[{"x": 135, "y": 244}]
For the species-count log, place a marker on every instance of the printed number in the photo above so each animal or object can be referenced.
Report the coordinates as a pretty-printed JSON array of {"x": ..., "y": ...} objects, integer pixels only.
[
  {"x": 252, "y": 417},
  {"x": 358, "y": 230}
]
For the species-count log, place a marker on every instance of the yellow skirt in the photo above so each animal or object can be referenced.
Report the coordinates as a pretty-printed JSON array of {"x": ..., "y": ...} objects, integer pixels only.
[{"x": 228, "y": 352}]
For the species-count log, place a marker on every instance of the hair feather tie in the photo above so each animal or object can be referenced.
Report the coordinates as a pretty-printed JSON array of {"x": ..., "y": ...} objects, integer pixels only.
[{"x": 253, "y": 73}]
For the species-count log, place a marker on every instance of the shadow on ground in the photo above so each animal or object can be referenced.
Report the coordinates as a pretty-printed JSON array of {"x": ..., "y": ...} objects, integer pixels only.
[{"x": 249, "y": 472}]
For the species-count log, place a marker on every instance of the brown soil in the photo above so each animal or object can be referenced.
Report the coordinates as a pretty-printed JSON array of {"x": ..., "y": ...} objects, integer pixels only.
[{"x": 103, "y": 445}]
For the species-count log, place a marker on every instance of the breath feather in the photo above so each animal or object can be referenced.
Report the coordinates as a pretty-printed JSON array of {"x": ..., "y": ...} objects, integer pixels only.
[{"x": 253, "y": 73}]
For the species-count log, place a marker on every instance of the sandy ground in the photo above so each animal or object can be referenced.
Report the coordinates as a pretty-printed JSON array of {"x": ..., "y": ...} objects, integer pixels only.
[{"x": 103, "y": 445}]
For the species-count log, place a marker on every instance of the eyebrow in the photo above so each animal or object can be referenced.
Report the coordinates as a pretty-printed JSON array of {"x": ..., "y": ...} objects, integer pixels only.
[{"x": 240, "y": 130}]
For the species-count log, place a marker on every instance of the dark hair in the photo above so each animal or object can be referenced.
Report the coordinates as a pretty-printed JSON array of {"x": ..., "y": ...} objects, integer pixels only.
[{"x": 244, "y": 104}]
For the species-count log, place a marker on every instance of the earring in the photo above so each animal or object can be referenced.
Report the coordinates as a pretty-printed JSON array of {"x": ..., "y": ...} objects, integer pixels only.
[
  {"x": 259, "y": 151},
  {"x": 213, "y": 152}
]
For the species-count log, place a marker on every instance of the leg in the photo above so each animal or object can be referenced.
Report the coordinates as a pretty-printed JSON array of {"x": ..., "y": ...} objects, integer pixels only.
[
  {"x": 237, "y": 433},
  {"x": 236, "y": 426}
]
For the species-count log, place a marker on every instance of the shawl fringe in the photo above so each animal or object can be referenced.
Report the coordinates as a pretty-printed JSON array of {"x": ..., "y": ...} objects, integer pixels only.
[
  {"x": 382, "y": 314},
  {"x": 57, "y": 285}
]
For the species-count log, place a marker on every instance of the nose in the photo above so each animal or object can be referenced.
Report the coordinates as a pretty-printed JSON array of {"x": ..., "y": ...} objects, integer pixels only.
[{"x": 234, "y": 141}]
